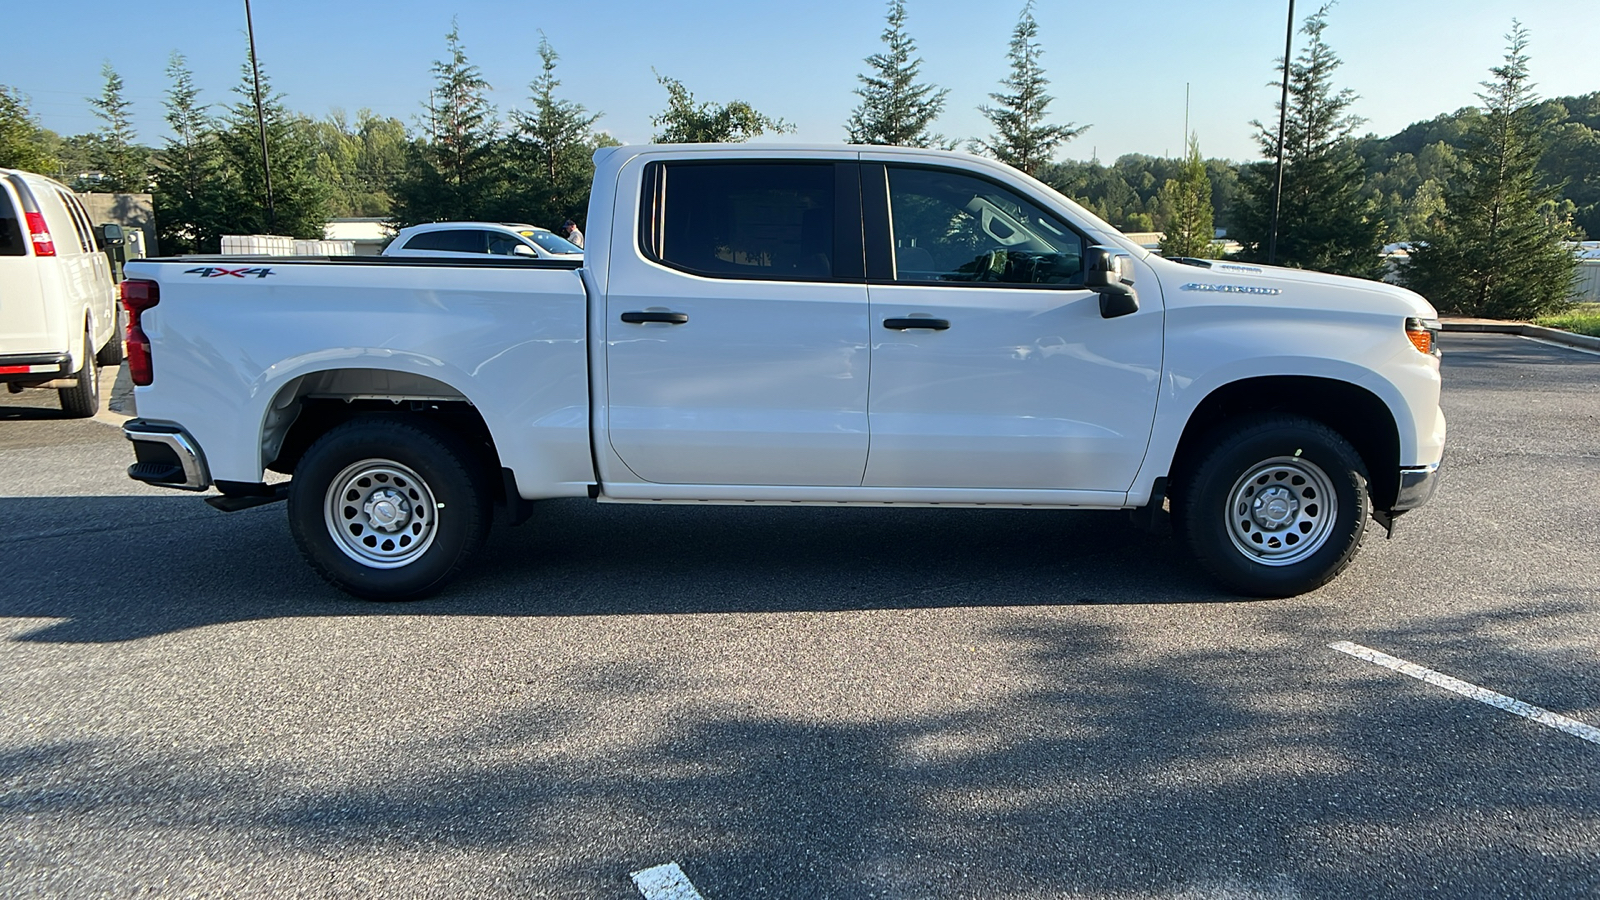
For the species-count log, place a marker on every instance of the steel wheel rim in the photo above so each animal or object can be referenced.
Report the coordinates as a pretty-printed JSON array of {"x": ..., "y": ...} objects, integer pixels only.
[
  {"x": 380, "y": 513},
  {"x": 1281, "y": 511}
]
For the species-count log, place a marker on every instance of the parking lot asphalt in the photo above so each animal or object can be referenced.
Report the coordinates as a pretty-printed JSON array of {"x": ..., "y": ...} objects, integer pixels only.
[{"x": 808, "y": 703}]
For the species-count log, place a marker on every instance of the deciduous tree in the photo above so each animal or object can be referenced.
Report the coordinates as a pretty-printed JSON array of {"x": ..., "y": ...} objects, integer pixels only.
[
  {"x": 686, "y": 122},
  {"x": 22, "y": 144}
]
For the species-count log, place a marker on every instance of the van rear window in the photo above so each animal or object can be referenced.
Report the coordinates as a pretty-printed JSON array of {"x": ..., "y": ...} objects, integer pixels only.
[{"x": 13, "y": 239}]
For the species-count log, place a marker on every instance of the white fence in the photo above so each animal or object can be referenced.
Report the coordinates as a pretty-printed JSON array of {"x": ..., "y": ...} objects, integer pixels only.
[
  {"x": 1587, "y": 285},
  {"x": 279, "y": 245}
]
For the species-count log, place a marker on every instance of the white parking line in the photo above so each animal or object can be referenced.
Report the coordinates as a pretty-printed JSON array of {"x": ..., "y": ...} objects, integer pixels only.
[
  {"x": 1482, "y": 695},
  {"x": 665, "y": 882},
  {"x": 1561, "y": 345}
]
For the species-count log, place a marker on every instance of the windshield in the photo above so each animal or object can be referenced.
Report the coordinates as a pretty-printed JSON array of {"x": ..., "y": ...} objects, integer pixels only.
[{"x": 551, "y": 242}]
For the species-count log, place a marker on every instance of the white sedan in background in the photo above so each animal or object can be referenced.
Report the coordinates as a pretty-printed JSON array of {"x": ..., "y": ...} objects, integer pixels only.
[{"x": 472, "y": 239}]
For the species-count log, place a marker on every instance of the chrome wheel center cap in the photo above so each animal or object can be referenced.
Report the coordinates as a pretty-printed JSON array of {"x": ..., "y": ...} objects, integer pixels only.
[
  {"x": 387, "y": 511},
  {"x": 1275, "y": 507}
]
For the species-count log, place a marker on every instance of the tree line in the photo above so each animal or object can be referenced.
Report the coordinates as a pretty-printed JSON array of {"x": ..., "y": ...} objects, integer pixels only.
[{"x": 1485, "y": 195}]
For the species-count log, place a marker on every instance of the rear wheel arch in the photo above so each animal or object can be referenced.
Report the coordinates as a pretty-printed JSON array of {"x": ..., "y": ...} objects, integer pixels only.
[{"x": 311, "y": 405}]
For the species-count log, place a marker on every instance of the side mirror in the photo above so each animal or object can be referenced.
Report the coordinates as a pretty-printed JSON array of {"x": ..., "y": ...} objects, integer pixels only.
[
  {"x": 1109, "y": 273},
  {"x": 110, "y": 235},
  {"x": 523, "y": 250}
]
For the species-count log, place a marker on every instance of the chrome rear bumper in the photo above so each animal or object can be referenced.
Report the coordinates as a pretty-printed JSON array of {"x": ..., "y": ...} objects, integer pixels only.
[{"x": 166, "y": 456}]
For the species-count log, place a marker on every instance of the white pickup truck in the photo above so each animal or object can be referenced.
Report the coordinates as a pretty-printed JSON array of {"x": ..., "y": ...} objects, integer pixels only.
[{"x": 791, "y": 325}]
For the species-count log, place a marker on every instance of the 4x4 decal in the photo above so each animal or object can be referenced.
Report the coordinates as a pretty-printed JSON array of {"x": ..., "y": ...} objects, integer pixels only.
[{"x": 218, "y": 272}]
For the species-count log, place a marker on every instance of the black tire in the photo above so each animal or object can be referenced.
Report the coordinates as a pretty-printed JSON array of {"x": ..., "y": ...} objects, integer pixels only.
[
  {"x": 1255, "y": 509},
  {"x": 111, "y": 354},
  {"x": 82, "y": 400},
  {"x": 409, "y": 501}
]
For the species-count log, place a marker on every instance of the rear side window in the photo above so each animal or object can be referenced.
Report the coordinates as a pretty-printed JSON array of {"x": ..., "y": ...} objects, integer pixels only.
[
  {"x": 743, "y": 220},
  {"x": 455, "y": 240},
  {"x": 79, "y": 225},
  {"x": 13, "y": 239}
]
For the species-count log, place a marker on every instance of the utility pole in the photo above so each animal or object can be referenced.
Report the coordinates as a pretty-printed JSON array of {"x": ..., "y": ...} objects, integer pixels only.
[
  {"x": 261, "y": 119},
  {"x": 1186, "y": 120},
  {"x": 1283, "y": 118}
]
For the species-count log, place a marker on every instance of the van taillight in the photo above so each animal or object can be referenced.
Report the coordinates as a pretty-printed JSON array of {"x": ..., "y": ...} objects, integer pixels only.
[
  {"x": 39, "y": 233},
  {"x": 139, "y": 295}
]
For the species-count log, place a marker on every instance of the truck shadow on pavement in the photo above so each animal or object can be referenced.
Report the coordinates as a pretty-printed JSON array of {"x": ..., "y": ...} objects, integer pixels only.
[{"x": 119, "y": 568}]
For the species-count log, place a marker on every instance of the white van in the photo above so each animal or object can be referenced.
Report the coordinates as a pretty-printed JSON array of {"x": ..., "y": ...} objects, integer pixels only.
[{"x": 58, "y": 311}]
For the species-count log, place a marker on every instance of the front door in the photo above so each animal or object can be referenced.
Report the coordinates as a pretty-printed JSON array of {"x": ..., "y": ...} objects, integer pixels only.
[
  {"x": 736, "y": 327},
  {"x": 1015, "y": 381}
]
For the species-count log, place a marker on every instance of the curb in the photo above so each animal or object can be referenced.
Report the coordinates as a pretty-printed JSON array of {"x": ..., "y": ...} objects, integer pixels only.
[{"x": 1553, "y": 335}]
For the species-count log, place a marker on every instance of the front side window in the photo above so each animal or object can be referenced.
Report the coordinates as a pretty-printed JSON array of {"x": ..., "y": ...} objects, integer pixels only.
[
  {"x": 950, "y": 227},
  {"x": 449, "y": 240},
  {"x": 503, "y": 244},
  {"x": 744, "y": 220},
  {"x": 551, "y": 242}
]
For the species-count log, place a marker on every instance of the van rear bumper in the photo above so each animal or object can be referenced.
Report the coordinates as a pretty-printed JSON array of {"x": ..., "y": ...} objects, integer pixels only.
[
  {"x": 166, "y": 456},
  {"x": 34, "y": 366}
]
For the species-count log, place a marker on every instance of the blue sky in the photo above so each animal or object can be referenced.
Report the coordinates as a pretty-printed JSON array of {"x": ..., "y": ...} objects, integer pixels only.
[{"x": 1121, "y": 68}]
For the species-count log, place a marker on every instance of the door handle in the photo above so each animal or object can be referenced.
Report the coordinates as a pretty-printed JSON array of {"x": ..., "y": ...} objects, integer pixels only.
[
  {"x": 916, "y": 322},
  {"x": 671, "y": 318}
]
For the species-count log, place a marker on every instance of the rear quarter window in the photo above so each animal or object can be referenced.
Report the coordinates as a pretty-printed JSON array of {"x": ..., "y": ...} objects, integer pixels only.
[
  {"x": 456, "y": 240},
  {"x": 13, "y": 239}
]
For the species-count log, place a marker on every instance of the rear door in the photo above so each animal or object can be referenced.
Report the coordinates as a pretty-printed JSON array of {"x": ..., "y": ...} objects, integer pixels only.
[
  {"x": 24, "y": 328},
  {"x": 736, "y": 324},
  {"x": 991, "y": 365}
]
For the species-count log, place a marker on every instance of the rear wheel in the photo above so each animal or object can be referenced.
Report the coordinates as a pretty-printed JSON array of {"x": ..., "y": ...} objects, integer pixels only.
[
  {"x": 82, "y": 400},
  {"x": 1276, "y": 507},
  {"x": 388, "y": 509}
]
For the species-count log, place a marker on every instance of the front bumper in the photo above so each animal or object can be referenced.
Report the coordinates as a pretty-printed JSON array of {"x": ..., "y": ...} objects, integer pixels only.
[
  {"x": 1417, "y": 484},
  {"x": 166, "y": 456}
]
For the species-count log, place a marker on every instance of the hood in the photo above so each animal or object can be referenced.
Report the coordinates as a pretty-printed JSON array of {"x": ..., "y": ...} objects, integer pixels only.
[{"x": 1220, "y": 282}]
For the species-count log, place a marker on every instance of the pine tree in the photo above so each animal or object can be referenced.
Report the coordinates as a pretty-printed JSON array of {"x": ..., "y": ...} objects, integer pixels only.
[
  {"x": 895, "y": 108},
  {"x": 1187, "y": 200},
  {"x": 21, "y": 138},
  {"x": 687, "y": 122},
  {"x": 299, "y": 198},
  {"x": 1325, "y": 223},
  {"x": 452, "y": 174},
  {"x": 1022, "y": 139},
  {"x": 189, "y": 180},
  {"x": 124, "y": 166},
  {"x": 553, "y": 143},
  {"x": 1498, "y": 249}
]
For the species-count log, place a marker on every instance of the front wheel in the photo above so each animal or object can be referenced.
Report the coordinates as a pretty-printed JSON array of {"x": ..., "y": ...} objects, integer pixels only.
[
  {"x": 388, "y": 509},
  {"x": 1276, "y": 506}
]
